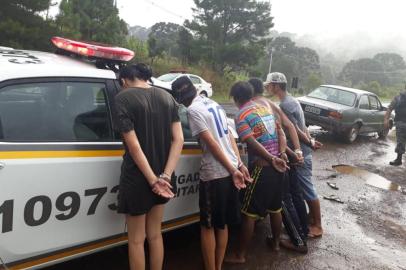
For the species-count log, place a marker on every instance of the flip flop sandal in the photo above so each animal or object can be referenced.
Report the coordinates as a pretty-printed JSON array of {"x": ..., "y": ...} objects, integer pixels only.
[
  {"x": 333, "y": 185},
  {"x": 313, "y": 236},
  {"x": 333, "y": 198}
]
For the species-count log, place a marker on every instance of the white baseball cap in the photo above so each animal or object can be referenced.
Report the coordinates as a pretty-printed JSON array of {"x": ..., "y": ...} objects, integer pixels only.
[{"x": 275, "y": 77}]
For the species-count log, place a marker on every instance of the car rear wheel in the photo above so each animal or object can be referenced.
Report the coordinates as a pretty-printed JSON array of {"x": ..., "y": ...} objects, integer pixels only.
[
  {"x": 383, "y": 133},
  {"x": 352, "y": 133}
]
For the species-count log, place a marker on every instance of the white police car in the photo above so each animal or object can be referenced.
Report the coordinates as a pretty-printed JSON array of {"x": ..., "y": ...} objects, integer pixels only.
[
  {"x": 166, "y": 80},
  {"x": 60, "y": 157}
]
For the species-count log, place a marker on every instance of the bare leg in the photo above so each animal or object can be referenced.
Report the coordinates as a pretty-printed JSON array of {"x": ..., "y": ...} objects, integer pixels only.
[
  {"x": 247, "y": 230},
  {"x": 208, "y": 244},
  {"x": 315, "y": 229},
  {"x": 136, "y": 239},
  {"x": 276, "y": 227},
  {"x": 154, "y": 237},
  {"x": 221, "y": 245}
]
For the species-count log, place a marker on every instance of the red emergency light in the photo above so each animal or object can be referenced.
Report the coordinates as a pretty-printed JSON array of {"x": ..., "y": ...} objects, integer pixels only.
[{"x": 93, "y": 50}]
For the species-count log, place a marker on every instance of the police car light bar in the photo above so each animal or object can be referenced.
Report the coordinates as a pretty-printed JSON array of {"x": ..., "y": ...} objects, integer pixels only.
[{"x": 92, "y": 50}]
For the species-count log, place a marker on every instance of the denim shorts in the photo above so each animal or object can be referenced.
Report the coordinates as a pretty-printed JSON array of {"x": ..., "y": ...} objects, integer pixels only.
[{"x": 304, "y": 177}]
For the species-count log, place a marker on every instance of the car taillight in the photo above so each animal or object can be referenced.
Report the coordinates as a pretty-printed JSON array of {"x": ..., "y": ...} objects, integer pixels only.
[
  {"x": 336, "y": 115},
  {"x": 93, "y": 50}
]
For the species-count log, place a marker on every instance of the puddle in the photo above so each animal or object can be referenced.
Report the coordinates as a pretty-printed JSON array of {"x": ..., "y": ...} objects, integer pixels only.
[{"x": 371, "y": 179}]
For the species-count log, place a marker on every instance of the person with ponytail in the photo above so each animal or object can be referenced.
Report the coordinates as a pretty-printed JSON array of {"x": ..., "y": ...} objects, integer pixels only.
[{"x": 147, "y": 118}]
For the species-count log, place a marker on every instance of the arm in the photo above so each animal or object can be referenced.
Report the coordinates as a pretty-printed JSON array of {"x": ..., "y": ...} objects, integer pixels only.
[
  {"x": 287, "y": 124},
  {"x": 241, "y": 165},
  {"x": 215, "y": 149},
  {"x": 388, "y": 113},
  {"x": 281, "y": 138},
  {"x": 303, "y": 136},
  {"x": 124, "y": 124},
  {"x": 138, "y": 156},
  {"x": 294, "y": 156},
  {"x": 158, "y": 185},
  {"x": 307, "y": 139},
  {"x": 235, "y": 147},
  {"x": 176, "y": 148},
  {"x": 386, "y": 118},
  {"x": 259, "y": 150},
  {"x": 308, "y": 133}
]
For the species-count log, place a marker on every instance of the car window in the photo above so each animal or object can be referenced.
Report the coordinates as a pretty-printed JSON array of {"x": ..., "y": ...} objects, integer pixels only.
[
  {"x": 334, "y": 95},
  {"x": 54, "y": 111},
  {"x": 364, "y": 102},
  {"x": 168, "y": 77},
  {"x": 195, "y": 80},
  {"x": 187, "y": 134},
  {"x": 374, "y": 103}
]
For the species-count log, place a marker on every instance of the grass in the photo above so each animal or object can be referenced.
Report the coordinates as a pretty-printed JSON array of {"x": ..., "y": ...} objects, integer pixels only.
[{"x": 221, "y": 97}]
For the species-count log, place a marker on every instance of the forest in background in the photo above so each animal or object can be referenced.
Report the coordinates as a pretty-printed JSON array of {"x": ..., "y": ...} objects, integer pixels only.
[{"x": 226, "y": 41}]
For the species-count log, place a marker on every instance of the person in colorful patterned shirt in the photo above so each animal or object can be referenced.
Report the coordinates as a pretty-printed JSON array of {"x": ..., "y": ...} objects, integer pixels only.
[{"x": 257, "y": 127}]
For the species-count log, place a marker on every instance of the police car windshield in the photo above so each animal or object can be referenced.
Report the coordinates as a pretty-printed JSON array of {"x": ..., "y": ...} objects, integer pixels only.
[
  {"x": 168, "y": 77},
  {"x": 334, "y": 95}
]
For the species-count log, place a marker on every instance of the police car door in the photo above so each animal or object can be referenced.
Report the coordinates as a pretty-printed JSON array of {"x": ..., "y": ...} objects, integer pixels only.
[{"x": 59, "y": 168}]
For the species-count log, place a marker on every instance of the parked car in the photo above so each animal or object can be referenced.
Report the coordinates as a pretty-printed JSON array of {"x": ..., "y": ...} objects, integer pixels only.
[
  {"x": 166, "y": 80},
  {"x": 346, "y": 112},
  {"x": 60, "y": 156}
]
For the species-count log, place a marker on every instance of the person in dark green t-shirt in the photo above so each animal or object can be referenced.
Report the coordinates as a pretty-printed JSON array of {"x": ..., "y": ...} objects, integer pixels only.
[{"x": 147, "y": 118}]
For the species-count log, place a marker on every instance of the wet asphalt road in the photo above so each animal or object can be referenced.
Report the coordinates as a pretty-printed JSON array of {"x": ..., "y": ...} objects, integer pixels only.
[{"x": 368, "y": 231}]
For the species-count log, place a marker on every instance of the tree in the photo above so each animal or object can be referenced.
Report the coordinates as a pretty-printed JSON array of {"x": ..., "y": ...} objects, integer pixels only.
[
  {"x": 390, "y": 61},
  {"x": 394, "y": 67},
  {"x": 166, "y": 37},
  {"x": 93, "y": 20},
  {"x": 188, "y": 47},
  {"x": 139, "y": 47},
  {"x": 294, "y": 61},
  {"x": 313, "y": 81},
  {"x": 154, "y": 50},
  {"x": 22, "y": 26},
  {"x": 227, "y": 30},
  {"x": 363, "y": 70},
  {"x": 374, "y": 87}
]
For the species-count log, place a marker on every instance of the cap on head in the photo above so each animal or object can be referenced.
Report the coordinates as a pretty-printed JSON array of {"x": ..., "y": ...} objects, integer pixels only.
[
  {"x": 183, "y": 89},
  {"x": 275, "y": 77}
]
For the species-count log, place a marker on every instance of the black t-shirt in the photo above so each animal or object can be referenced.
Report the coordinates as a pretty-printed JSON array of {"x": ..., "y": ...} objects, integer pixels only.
[{"x": 150, "y": 113}]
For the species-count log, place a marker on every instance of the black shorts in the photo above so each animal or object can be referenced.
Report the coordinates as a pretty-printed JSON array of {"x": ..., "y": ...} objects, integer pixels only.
[
  {"x": 135, "y": 196},
  {"x": 264, "y": 194},
  {"x": 219, "y": 203}
]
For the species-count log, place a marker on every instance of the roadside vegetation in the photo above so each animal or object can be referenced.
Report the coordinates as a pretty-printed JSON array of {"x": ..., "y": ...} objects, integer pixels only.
[{"x": 226, "y": 41}]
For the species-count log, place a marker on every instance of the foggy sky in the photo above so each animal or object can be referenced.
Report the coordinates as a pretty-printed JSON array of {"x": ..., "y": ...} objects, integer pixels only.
[
  {"x": 346, "y": 28},
  {"x": 326, "y": 17}
]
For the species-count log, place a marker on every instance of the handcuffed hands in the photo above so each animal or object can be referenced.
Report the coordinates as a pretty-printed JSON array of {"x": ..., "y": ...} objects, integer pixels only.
[{"x": 162, "y": 188}]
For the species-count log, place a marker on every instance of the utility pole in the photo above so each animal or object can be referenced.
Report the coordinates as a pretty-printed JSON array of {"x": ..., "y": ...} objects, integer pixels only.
[{"x": 270, "y": 60}]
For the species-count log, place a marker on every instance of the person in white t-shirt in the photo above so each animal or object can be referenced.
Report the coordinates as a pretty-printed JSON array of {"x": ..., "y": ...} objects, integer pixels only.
[{"x": 222, "y": 172}]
